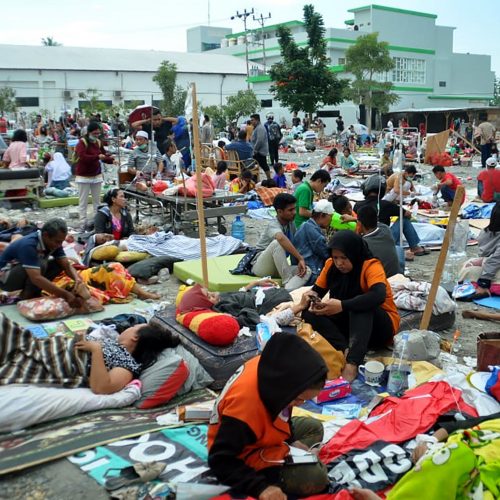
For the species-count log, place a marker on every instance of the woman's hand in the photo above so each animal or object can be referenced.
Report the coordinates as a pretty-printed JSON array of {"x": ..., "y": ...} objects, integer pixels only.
[
  {"x": 348, "y": 218},
  {"x": 102, "y": 157},
  {"x": 328, "y": 308},
  {"x": 272, "y": 493},
  {"x": 87, "y": 346},
  {"x": 261, "y": 282}
]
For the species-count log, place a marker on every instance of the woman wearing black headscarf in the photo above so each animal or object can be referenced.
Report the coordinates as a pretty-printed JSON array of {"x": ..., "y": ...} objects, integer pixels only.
[{"x": 360, "y": 312}]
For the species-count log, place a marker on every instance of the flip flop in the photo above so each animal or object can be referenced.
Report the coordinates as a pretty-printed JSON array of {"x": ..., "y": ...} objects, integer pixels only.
[
  {"x": 137, "y": 473},
  {"x": 421, "y": 252}
]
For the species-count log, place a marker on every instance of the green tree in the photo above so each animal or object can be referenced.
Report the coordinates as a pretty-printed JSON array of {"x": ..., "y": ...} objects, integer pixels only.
[
  {"x": 496, "y": 92},
  {"x": 302, "y": 80},
  {"x": 7, "y": 100},
  {"x": 50, "y": 42},
  {"x": 93, "y": 102},
  {"x": 244, "y": 103},
  {"x": 174, "y": 96},
  {"x": 368, "y": 59},
  {"x": 217, "y": 116}
]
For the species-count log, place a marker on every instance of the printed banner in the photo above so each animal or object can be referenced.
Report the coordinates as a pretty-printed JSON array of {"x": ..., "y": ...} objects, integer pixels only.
[{"x": 183, "y": 449}]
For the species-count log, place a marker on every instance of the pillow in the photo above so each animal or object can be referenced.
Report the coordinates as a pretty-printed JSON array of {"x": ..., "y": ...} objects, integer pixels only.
[
  {"x": 162, "y": 380},
  {"x": 105, "y": 252},
  {"x": 182, "y": 290},
  {"x": 175, "y": 372},
  {"x": 44, "y": 308},
  {"x": 214, "y": 328},
  {"x": 130, "y": 256}
]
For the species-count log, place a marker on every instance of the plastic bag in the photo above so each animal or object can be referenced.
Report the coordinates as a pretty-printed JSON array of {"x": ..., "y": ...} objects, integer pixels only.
[
  {"x": 417, "y": 345},
  {"x": 44, "y": 308}
]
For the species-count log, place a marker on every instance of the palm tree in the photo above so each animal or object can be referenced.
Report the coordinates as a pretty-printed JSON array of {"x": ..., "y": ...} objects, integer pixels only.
[{"x": 50, "y": 42}]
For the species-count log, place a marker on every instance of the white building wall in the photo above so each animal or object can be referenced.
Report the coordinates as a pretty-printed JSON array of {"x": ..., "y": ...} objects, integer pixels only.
[{"x": 49, "y": 86}]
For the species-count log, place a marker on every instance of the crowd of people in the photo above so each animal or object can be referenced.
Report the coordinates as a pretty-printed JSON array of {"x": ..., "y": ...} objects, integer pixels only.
[{"x": 343, "y": 254}]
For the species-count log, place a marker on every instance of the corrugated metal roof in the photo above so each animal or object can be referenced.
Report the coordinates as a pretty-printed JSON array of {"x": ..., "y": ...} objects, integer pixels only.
[{"x": 100, "y": 59}]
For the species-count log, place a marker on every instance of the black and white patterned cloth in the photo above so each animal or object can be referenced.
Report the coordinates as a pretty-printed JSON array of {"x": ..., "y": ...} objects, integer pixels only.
[{"x": 116, "y": 356}]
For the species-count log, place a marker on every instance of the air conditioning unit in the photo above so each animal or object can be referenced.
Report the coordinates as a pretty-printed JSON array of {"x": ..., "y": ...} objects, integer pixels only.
[
  {"x": 67, "y": 94},
  {"x": 117, "y": 94}
]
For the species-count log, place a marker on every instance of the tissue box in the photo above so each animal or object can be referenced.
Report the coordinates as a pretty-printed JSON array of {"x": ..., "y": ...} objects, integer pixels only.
[{"x": 334, "y": 389}]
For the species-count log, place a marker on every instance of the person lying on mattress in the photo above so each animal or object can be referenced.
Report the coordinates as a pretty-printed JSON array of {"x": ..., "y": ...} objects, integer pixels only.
[
  {"x": 251, "y": 428},
  {"x": 106, "y": 366},
  {"x": 246, "y": 305},
  {"x": 360, "y": 312}
]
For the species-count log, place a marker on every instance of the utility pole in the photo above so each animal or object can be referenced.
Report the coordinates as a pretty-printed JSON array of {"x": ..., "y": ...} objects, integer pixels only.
[
  {"x": 261, "y": 20},
  {"x": 243, "y": 15}
]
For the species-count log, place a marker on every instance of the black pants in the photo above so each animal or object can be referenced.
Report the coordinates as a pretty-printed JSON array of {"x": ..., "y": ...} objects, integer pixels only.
[
  {"x": 485, "y": 153},
  {"x": 274, "y": 146},
  {"x": 18, "y": 279},
  {"x": 262, "y": 161},
  {"x": 356, "y": 330}
]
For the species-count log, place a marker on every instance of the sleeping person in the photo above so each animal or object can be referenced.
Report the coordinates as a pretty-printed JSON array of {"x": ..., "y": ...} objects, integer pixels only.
[
  {"x": 246, "y": 305},
  {"x": 106, "y": 366}
]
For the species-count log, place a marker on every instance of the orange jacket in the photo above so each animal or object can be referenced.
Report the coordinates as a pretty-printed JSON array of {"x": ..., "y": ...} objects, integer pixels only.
[
  {"x": 240, "y": 399},
  {"x": 372, "y": 272}
]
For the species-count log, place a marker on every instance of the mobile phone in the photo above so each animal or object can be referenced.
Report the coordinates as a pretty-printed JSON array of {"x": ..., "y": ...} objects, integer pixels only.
[{"x": 315, "y": 299}]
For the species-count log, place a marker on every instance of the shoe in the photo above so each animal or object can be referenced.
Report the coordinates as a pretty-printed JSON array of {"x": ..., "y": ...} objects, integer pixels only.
[{"x": 421, "y": 251}]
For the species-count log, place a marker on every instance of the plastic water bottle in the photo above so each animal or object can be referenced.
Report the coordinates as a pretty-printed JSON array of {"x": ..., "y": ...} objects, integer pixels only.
[{"x": 238, "y": 228}]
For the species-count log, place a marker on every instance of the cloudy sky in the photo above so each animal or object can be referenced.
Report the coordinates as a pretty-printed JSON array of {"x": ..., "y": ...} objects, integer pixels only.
[{"x": 162, "y": 24}]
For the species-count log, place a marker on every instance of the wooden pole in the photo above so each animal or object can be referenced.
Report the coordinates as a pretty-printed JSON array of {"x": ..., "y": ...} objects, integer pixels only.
[
  {"x": 466, "y": 141},
  {"x": 450, "y": 229},
  {"x": 199, "y": 190}
]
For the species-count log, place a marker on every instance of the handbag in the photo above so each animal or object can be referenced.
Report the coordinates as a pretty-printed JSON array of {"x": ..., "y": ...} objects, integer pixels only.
[
  {"x": 246, "y": 262},
  {"x": 335, "y": 360}
]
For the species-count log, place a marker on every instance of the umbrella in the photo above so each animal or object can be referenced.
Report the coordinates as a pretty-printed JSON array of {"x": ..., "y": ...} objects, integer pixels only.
[{"x": 142, "y": 112}]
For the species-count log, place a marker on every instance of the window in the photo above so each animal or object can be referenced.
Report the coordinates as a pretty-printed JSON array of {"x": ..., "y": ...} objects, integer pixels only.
[
  {"x": 442, "y": 84},
  {"x": 341, "y": 61},
  {"x": 133, "y": 103},
  {"x": 328, "y": 113},
  {"x": 408, "y": 70},
  {"x": 27, "y": 102},
  {"x": 209, "y": 46},
  {"x": 266, "y": 103}
]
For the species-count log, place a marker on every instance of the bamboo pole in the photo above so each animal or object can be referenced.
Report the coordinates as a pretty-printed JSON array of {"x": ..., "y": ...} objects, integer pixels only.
[
  {"x": 457, "y": 202},
  {"x": 199, "y": 190}
]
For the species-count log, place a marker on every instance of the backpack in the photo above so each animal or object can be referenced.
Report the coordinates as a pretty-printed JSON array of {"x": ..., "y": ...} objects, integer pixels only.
[
  {"x": 274, "y": 131},
  {"x": 73, "y": 159}
]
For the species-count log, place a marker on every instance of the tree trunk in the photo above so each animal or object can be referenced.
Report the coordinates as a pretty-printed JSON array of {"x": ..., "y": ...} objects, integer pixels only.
[{"x": 369, "y": 113}]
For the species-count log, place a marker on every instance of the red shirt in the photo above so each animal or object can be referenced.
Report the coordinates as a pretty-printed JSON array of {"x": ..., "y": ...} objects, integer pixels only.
[
  {"x": 3, "y": 125},
  {"x": 490, "y": 177},
  {"x": 454, "y": 180}
]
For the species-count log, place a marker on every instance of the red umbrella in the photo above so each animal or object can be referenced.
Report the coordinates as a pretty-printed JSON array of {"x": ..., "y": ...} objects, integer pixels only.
[{"x": 142, "y": 112}]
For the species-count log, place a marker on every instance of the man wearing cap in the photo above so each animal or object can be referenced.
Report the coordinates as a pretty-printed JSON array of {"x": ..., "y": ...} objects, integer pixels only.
[
  {"x": 310, "y": 240},
  {"x": 488, "y": 182},
  {"x": 273, "y": 138},
  {"x": 142, "y": 161}
]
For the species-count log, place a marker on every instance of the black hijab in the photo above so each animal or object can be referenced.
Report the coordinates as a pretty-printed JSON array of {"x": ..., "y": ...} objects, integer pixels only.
[{"x": 344, "y": 286}]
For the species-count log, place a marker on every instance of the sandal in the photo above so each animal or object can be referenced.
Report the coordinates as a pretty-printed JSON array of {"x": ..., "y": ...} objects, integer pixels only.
[
  {"x": 137, "y": 473},
  {"x": 421, "y": 251}
]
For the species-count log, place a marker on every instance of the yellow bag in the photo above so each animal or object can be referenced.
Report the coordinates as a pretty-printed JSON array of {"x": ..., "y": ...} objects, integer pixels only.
[
  {"x": 105, "y": 252},
  {"x": 130, "y": 256},
  {"x": 335, "y": 360}
]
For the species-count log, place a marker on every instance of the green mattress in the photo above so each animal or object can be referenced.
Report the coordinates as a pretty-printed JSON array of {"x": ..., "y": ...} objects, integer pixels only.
[
  {"x": 219, "y": 277},
  {"x": 60, "y": 202}
]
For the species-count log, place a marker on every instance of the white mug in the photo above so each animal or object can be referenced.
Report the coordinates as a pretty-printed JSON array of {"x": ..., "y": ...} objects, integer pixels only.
[{"x": 373, "y": 372}]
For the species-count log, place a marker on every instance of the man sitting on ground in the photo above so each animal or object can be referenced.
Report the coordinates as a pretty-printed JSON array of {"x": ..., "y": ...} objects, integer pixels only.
[
  {"x": 310, "y": 240},
  {"x": 447, "y": 185},
  {"x": 304, "y": 195},
  {"x": 374, "y": 190},
  {"x": 276, "y": 243},
  {"x": 251, "y": 428},
  {"x": 488, "y": 182},
  {"x": 31, "y": 262},
  {"x": 379, "y": 239}
]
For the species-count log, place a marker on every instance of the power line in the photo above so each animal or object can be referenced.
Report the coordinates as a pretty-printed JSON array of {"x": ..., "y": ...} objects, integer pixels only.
[
  {"x": 261, "y": 20},
  {"x": 243, "y": 15}
]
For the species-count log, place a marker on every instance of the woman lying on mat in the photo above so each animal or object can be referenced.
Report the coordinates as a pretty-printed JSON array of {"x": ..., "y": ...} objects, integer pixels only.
[
  {"x": 246, "y": 305},
  {"x": 106, "y": 366},
  {"x": 108, "y": 283},
  {"x": 360, "y": 312}
]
